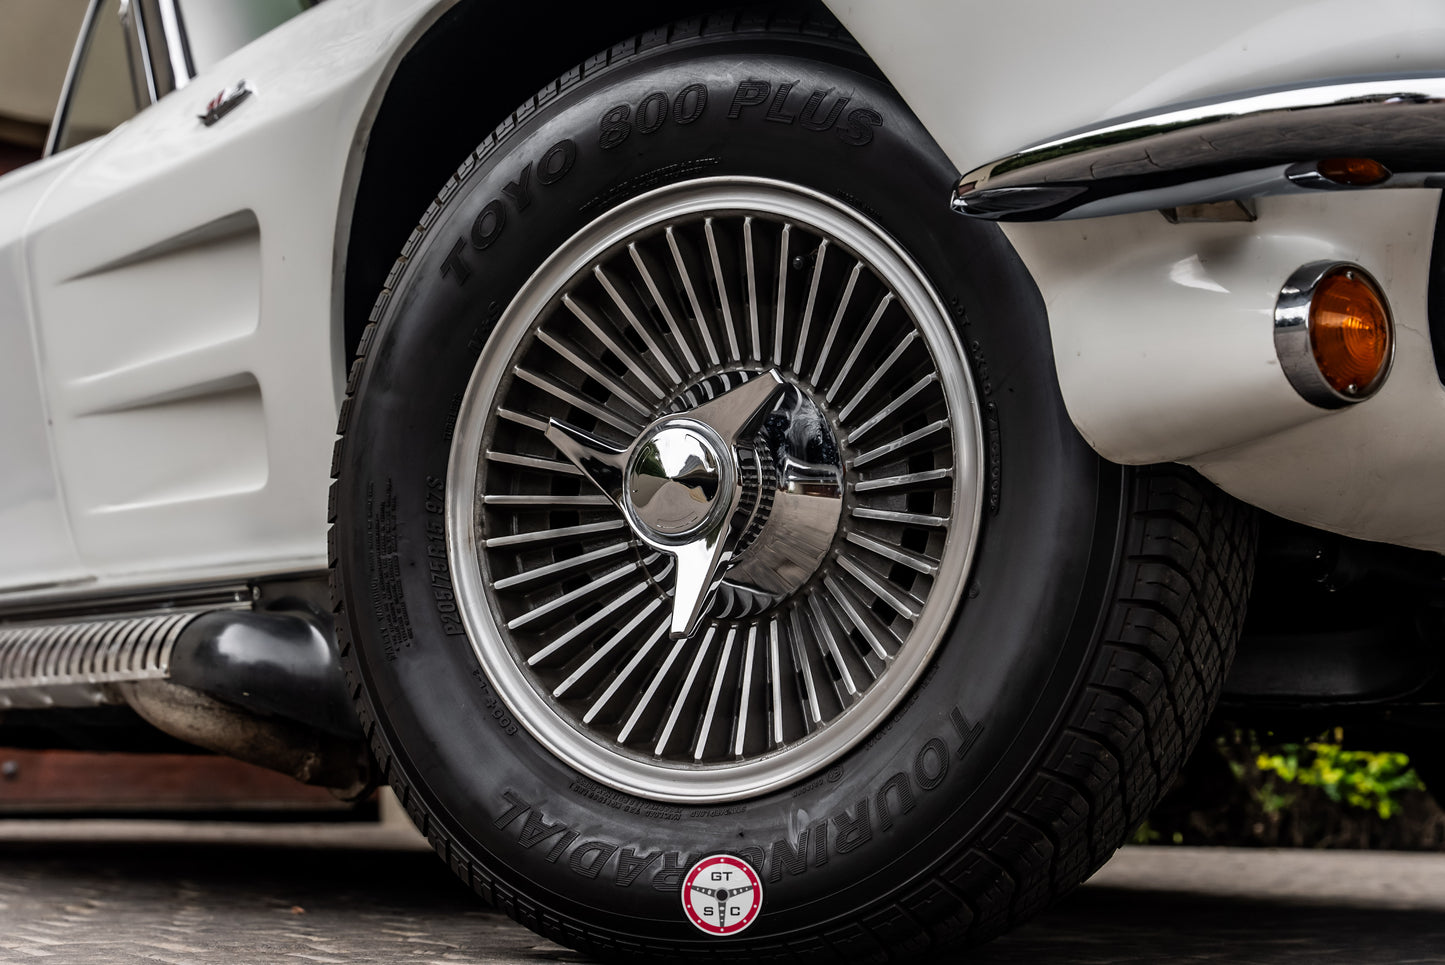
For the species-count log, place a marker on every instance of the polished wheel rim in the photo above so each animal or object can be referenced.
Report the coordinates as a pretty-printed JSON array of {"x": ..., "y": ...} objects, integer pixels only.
[{"x": 714, "y": 490}]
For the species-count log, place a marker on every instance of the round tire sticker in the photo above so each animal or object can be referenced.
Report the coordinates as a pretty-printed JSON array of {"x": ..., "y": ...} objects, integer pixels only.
[{"x": 722, "y": 895}]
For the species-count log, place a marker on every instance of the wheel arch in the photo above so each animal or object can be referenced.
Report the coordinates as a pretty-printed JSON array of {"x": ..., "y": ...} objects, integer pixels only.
[{"x": 429, "y": 111}]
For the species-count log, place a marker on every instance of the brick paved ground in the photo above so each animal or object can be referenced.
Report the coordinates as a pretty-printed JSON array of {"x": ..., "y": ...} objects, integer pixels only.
[{"x": 129, "y": 892}]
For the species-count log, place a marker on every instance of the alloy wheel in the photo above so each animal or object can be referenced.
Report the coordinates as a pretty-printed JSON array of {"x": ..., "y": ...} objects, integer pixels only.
[{"x": 714, "y": 490}]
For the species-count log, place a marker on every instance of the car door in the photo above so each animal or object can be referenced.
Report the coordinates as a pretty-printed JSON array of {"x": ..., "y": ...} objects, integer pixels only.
[
  {"x": 35, "y": 545},
  {"x": 36, "y": 548},
  {"x": 145, "y": 263}
]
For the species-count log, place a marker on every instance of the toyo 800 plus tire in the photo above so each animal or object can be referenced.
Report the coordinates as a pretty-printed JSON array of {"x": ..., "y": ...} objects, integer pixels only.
[{"x": 704, "y": 492}]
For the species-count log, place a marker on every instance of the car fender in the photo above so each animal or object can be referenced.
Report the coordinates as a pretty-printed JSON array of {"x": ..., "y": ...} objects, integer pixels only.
[
  {"x": 1163, "y": 333},
  {"x": 184, "y": 282}
]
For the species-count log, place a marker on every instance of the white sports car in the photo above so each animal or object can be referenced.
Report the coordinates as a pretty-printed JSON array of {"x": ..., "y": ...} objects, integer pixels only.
[{"x": 797, "y": 493}]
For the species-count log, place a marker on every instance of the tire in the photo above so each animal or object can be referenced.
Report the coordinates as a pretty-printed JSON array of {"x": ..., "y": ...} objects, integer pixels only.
[{"x": 1085, "y": 614}]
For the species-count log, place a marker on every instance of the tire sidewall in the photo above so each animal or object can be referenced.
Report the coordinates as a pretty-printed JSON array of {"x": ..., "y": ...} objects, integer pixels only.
[{"x": 923, "y": 788}]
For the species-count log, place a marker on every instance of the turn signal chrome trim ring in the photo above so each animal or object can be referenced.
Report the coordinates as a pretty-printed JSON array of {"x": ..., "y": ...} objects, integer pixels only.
[{"x": 1294, "y": 338}]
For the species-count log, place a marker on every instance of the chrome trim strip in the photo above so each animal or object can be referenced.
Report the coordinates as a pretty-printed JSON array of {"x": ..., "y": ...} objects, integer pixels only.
[
  {"x": 77, "y": 54},
  {"x": 142, "y": 42},
  {"x": 177, "y": 47},
  {"x": 1292, "y": 337},
  {"x": 72, "y": 605},
  {"x": 1218, "y": 150},
  {"x": 83, "y": 599}
]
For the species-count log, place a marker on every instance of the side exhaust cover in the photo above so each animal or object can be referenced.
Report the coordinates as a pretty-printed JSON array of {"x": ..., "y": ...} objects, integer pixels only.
[{"x": 262, "y": 686}]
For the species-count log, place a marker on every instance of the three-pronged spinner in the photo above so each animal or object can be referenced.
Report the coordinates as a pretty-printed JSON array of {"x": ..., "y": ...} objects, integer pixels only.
[{"x": 681, "y": 483}]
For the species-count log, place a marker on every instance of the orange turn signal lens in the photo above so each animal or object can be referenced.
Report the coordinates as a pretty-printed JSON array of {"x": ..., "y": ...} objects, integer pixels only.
[
  {"x": 1356, "y": 172},
  {"x": 1333, "y": 333},
  {"x": 1350, "y": 331}
]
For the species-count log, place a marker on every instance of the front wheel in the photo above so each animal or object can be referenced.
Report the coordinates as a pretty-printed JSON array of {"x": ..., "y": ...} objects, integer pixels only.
[{"x": 716, "y": 559}]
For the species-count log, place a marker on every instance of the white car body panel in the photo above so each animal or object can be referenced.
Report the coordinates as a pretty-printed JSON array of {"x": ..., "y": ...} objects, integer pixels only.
[
  {"x": 1195, "y": 379},
  {"x": 1163, "y": 334},
  {"x": 34, "y": 533},
  {"x": 178, "y": 285},
  {"x": 990, "y": 78},
  {"x": 182, "y": 281}
]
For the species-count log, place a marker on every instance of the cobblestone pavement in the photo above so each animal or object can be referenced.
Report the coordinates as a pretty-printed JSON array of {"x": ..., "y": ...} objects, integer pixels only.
[{"x": 128, "y": 892}]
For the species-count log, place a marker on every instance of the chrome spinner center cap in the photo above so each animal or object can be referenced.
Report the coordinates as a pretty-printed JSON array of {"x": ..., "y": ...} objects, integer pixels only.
[
  {"x": 677, "y": 484},
  {"x": 679, "y": 481}
]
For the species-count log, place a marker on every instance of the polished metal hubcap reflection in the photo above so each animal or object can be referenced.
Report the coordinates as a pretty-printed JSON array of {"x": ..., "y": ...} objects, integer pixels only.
[
  {"x": 714, "y": 490},
  {"x": 676, "y": 482},
  {"x": 677, "y": 486}
]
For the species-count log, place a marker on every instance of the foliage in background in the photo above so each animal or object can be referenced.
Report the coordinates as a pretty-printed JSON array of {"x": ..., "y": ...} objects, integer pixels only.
[
  {"x": 1246, "y": 789},
  {"x": 1371, "y": 780}
]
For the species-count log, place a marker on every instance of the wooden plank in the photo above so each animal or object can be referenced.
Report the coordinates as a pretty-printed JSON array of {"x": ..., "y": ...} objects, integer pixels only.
[{"x": 75, "y": 781}]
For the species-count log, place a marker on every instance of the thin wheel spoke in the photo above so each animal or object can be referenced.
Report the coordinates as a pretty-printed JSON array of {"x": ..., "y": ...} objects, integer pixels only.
[
  {"x": 899, "y": 444},
  {"x": 658, "y": 632},
  {"x": 625, "y": 355},
  {"x": 877, "y": 376},
  {"x": 633, "y": 315},
  {"x": 850, "y": 608},
  {"x": 704, "y": 327},
  {"x": 812, "y": 712},
  {"x": 780, "y": 307},
  {"x": 681, "y": 699},
  {"x": 640, "y": 261},
  {"x": 911, "y": 480},
  {"x": 775, "y": 679},
  {"x": 720, "y": 278},
  {"x": 544, "y": 499},
  {"x": 905, "y": 604},
  {"x": 651, "y": 691},
  {"x": 566, "y": 396},
  {"x": 545, "y": 536},
  {"x": 521, "y": 419},
  {"x": 616, "y": 640},
  {"x": 580, "y": 632},
  {"x": 754, "y": 328},
  {"x": 825, "y": 629},
  {"x": 903, "y": 519},
  {"x": 858, "y": 346},
  {"x": 740, "y": 730},
  {"x": 837, "y": 324},
  {"x": 596, "y": 374},
  {"x": 717, "y": 684},
  {"x": 561, "y": 567},
  {"x": 821, "y": 255},
  {"x": 533, "y": 462},
  {"x": 914, "y": 561},
  {"x": 877, "y": 418},
  {"x": 571, "y": 598},
  {"x": 869, "y": 661}
]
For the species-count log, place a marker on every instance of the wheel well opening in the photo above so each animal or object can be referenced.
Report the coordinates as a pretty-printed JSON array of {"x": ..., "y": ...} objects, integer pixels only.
[{"x": 456, "y": 85}]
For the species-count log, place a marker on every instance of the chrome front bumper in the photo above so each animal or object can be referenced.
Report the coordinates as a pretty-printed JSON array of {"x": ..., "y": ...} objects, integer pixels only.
[{"x": 1248, "y": 146}]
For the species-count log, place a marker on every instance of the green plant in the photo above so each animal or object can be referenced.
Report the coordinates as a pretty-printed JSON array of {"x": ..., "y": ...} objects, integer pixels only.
[
  {"x": 1372, "y": 780},
  {"x": 1144, "y": 834}
]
